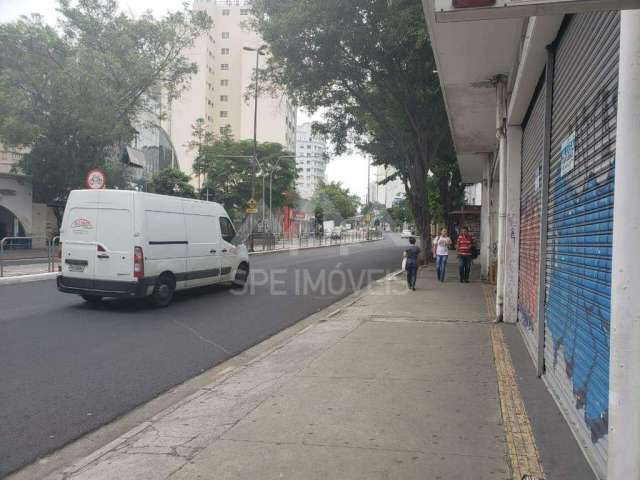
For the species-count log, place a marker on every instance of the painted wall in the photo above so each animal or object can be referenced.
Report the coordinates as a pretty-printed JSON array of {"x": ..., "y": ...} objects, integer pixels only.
[{"x": 16, "y": 196}]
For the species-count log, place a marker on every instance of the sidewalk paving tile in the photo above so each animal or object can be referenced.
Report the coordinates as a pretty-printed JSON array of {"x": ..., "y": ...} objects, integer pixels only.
[{"x": 227, "y": 460}]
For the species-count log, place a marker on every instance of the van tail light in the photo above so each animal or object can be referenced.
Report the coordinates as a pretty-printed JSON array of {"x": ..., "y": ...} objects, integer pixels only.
[{"x": 138, "y": 263}]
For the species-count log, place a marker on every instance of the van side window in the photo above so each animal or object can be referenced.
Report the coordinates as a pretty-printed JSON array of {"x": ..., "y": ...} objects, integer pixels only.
[{"x": 227, "y": 230}]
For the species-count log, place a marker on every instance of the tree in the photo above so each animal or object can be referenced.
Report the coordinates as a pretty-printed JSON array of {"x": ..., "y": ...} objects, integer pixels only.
[
  {"x": 369, "y": 65},
  {"x": 171, "y": 181},
  {"x": 401, "y": 212},
  {"x": 70, "y": 96},
  {"x": 445, "y": 187},
  {"x": 224, "y": 164},
  {"x": 335, "y": 202},
  {"x": 375, "y": 207}
]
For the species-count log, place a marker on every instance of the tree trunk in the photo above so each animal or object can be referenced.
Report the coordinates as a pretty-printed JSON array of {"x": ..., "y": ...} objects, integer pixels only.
[
  {"x": 445, "y": 198},
  {"x": 58, "y": 213},
  {"x": 416, "y": 188}
]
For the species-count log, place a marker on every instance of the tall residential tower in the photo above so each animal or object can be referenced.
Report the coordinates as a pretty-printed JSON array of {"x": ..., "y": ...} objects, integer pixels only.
[
  {"x": 311, "y": 160},
  {"x": 221, "y": 91}
]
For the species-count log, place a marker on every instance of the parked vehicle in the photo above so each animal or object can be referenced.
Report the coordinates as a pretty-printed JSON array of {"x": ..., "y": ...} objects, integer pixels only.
[
  {"x": 327, "y": 227},
  {"x": 406, "y": 234},
  {"x": 118, "y": 243}
]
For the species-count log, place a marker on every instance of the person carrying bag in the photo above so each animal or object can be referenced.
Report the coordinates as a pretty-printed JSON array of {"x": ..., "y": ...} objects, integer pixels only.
[
  {"x": 441, "y": 253},
  {"x": 410, "y": 263}
]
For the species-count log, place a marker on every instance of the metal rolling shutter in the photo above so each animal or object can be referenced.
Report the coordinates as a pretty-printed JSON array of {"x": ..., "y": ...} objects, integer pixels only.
[
  {"x": 579, "y": 234},
  {"x": 530, "y": 200}
]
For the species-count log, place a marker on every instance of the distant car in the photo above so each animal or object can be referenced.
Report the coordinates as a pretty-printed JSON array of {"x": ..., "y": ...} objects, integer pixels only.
[
  {"x": 406, "y": 234},
  {"x": 336, "y": 235}
]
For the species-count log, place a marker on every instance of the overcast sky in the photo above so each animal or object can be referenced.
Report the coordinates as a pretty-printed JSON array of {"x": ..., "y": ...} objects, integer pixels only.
[{"x": 350, "y": 169}]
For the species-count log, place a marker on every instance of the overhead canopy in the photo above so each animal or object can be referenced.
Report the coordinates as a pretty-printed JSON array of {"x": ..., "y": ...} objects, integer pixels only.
[{"x": 469, "y": 56}]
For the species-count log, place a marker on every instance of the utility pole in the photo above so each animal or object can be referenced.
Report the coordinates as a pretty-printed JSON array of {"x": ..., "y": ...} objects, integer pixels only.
[
  {"x": 259, "y": 51},
  {"x": 368, "y": 182}
]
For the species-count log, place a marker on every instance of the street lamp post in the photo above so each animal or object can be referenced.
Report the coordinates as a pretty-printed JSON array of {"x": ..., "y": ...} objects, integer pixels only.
[
  {"x": 259, "y": 51},
  {"x": 250, "y": 215}
]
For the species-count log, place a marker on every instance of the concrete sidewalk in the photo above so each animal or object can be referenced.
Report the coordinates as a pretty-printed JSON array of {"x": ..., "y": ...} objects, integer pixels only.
[{"x": 395, "y": 384}]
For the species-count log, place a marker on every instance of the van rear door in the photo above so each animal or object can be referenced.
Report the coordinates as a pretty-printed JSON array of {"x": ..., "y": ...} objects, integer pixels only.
[
  {"x": 114, "y": 249},
  {"x": 79, "y": 242}
]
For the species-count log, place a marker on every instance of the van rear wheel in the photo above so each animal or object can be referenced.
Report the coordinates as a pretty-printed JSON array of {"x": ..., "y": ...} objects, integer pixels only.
[
  {"x": 242, "y": 275},
  {"x": 92, "y": 299},
  {"x": 163, "y": 291}
]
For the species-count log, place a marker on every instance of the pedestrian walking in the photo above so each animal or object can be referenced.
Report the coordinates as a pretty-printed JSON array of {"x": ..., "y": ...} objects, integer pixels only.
[
  {"x": 411, "y": 263},
  {"x": 441, "y": 252},
  {"x": 465, "y": 247}
]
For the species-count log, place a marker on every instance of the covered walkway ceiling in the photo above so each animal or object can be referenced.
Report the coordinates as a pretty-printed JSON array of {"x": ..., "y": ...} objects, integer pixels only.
[{"x": 469, "y": 56}]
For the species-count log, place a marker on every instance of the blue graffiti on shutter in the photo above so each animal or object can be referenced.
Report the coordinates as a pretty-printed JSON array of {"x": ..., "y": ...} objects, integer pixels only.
[
  {"x": 578, "y": 297},
  {"x": 578, "y": 309}
]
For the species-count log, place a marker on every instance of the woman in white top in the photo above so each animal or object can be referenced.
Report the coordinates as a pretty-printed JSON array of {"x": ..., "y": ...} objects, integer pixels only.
[{"x": 441, "y": 252}]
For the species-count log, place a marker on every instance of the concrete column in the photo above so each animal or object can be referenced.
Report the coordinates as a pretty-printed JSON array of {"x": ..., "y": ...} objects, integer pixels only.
[
  {"x": 502, "y": 197},
  {"x": 494, "y": 190},
  {"x": 512, "y": 224},
  {"x": 624, "y": 382},
  {"x": 485, "y": 224}
]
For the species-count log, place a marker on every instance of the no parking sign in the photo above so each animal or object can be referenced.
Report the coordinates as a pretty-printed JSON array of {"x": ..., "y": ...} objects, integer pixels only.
[{"x": 96, "y": 179}]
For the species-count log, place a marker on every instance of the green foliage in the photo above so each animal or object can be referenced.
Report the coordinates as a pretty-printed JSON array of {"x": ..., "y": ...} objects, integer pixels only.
[
  {"x": 369, "y": 65},
  {"x": 225, "y": 168},
  {"x": 375, "y": 207},
  {"x": 171, "y": 181},
  {"x": 335, "y": 202},
  {"x": 445, "y": 187},
  {"x": 118, "y": 176},
  {"x": 401, "y": 212},
  {"x": 70, "y": 96}
]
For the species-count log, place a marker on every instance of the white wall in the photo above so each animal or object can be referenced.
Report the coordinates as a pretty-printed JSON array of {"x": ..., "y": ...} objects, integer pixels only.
[{"x": 15, "y": 196}]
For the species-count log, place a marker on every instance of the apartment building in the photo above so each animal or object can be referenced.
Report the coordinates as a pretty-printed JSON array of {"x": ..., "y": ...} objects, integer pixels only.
[
  {"x": 311, "y": 160},
  {"x": 388, "y": 192},
  {"x": 221, "y": 91}
]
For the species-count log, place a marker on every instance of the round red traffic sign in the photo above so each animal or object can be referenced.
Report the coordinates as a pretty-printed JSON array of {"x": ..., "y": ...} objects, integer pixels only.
[{"x": 96, "y": 179}]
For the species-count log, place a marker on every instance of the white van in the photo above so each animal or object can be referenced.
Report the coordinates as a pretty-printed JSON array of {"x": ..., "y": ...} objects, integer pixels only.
[{"x": 118, "y": 243}]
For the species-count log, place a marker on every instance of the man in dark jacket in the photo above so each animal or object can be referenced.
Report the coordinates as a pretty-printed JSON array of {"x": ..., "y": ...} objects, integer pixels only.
[{"x": 411, "y": 254}]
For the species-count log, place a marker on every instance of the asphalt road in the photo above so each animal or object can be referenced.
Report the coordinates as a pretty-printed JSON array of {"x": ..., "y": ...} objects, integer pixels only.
[{"x": 67, "y": 368}]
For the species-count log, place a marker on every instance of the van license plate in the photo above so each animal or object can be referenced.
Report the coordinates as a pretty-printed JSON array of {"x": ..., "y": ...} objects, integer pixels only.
[{"x": 76, "y": 268}]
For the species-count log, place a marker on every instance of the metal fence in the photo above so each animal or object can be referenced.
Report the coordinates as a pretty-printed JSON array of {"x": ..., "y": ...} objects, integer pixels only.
[
  {"x": 277, "y": 241},
  {"x": 29, "y": 250}
]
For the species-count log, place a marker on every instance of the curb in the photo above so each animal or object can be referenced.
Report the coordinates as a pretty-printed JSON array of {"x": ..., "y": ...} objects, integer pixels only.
[{"x": 36, "y": 277}]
